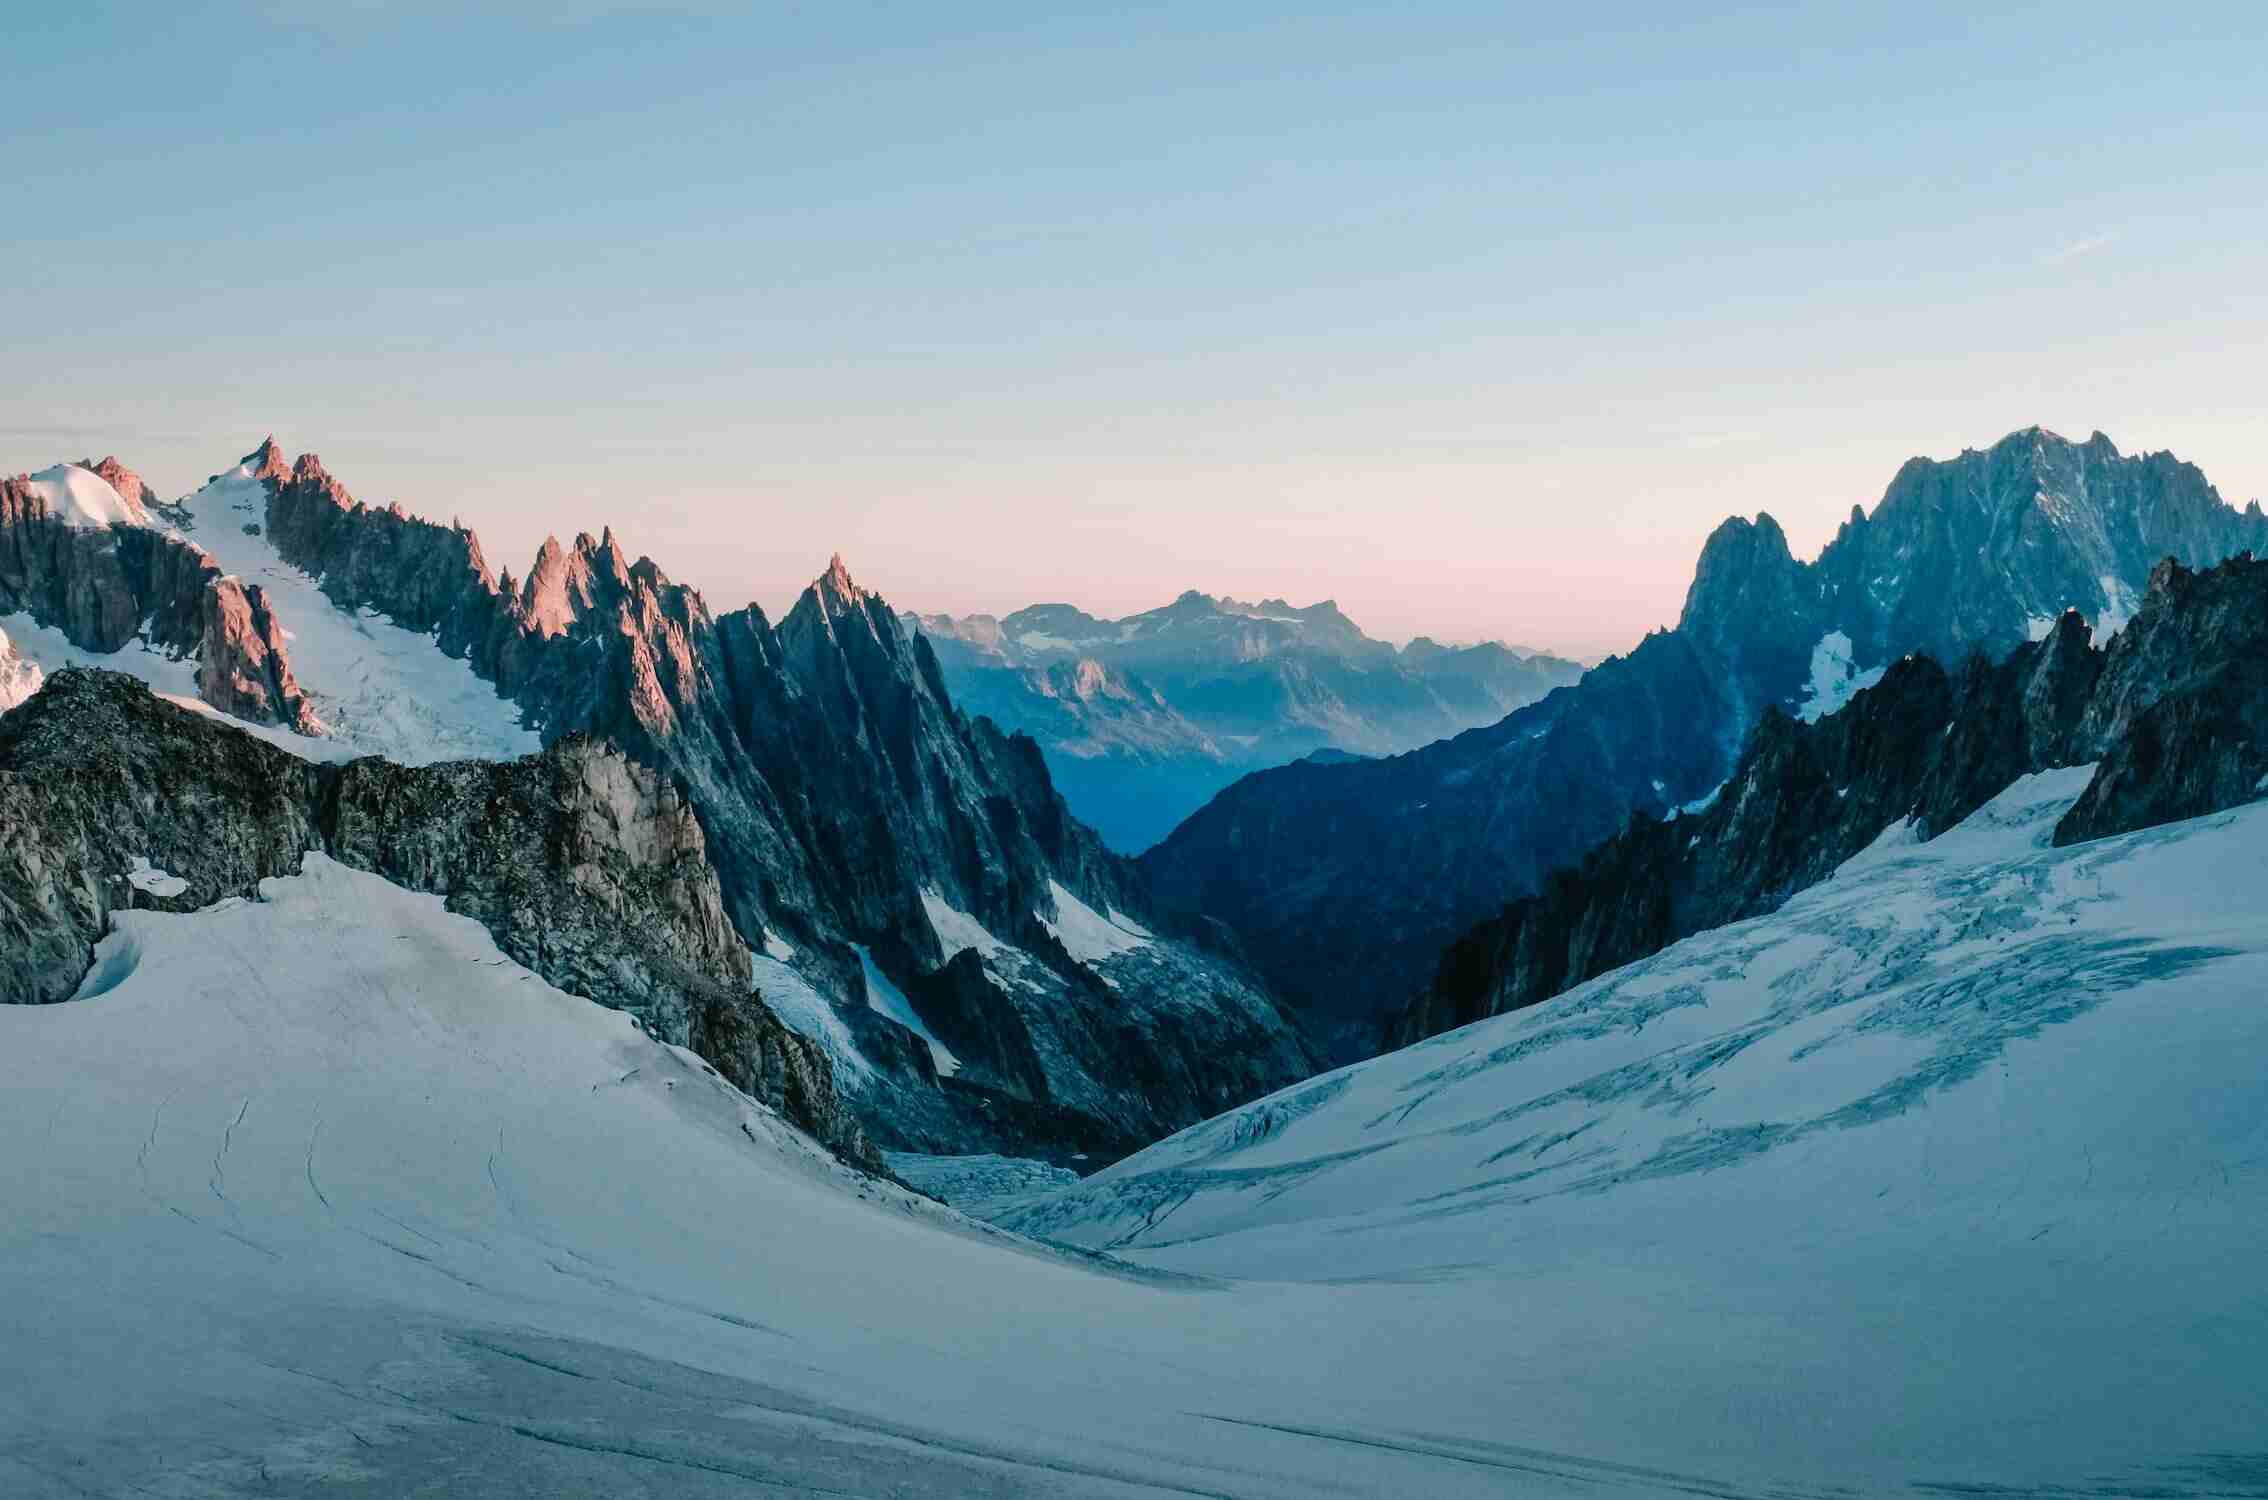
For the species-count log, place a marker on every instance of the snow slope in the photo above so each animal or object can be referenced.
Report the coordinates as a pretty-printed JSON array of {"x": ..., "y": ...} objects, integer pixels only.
[
  {"x": 322, "y": 1194},
  {"x": 1953, "y": 1170},
  {"x": 379, "y": 689},
  {"x": 1949, "y": 1174}
]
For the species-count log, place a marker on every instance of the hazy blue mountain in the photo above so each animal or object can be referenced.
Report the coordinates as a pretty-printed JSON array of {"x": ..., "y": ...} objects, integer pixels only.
[{"x": 1145, "y": 718}]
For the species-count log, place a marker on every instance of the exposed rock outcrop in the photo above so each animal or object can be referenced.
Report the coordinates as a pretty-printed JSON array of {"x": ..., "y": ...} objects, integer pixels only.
[
  {"x": 585, "y": 867},
  {"x": 2180, "y": 722},
  {"x": 244, "y": 670}
]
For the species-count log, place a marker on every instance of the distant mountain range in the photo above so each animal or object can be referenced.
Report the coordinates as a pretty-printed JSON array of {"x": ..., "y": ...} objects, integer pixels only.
[
  {"x": 1144, "y": 718},
  {"x": 1346, "y": 882}
]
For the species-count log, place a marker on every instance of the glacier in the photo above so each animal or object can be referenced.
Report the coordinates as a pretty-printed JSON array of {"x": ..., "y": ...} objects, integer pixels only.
[{"x": 1950, "y": 1174}]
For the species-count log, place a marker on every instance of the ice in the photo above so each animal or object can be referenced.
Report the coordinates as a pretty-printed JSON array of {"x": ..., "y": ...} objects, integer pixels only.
[
  {"x": 322, "y": 1193},
  {"x": 170, "y": 677},
  {"x": 2119, "y": 605},
  {"x": 978, "y": 1184},
  {"x": 803, "y": 1010},
  {"x": 1946, "y": 1175}
]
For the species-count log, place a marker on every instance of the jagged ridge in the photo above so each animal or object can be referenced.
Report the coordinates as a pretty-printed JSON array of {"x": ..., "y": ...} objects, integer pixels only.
[{"x": 2175, "y": 711}]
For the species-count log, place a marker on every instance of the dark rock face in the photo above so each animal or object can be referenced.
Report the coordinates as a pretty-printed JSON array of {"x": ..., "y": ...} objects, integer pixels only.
[
  {"x": 75, "y": 579},
  {"x": 1142, "y": 719},
  {"x": 2182, "y": 716},
  {"x": 2174, "y": 712},
  {"x": 584, "y": 867},
  {"x": 1345, "y": 882},
  {"x": 244, "y": 671},
  {"x": 95, "y": 773}
]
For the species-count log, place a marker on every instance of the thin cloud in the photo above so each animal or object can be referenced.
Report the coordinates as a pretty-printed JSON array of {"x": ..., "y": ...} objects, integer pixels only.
[{"x": 2085, "y": 245}]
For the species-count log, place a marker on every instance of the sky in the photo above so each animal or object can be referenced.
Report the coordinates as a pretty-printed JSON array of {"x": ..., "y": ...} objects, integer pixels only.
[{"x": 1476, "y": 318}]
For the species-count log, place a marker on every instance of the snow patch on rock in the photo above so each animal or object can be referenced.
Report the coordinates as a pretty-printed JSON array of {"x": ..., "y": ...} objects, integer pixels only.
[
  {"x": 956, "y": 930},
  {"x": 1835, "y": 678},
  {"x": 803, "y": 1010},
  {"x": 887, "y": 999},
  {"x": 1086, "y": 934},
  {"x": 144, "y": 876}
]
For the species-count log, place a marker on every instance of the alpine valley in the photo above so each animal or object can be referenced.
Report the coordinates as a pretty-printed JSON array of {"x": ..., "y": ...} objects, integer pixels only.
[{"x": 467, "y": 1034}]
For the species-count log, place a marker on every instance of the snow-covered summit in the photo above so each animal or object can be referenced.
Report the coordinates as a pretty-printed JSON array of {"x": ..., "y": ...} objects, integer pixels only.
[{"x": 84, "y": 499}]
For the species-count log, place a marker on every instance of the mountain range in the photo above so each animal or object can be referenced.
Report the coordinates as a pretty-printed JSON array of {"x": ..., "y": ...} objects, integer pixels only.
[
  {"x": 900, "y": 881},
  {"x": 435, "y": 1122},
  {"x": 1143, "y": 719},
  {"x": 481, "y": 1024},
  {"x": 1346, "y": 882}
]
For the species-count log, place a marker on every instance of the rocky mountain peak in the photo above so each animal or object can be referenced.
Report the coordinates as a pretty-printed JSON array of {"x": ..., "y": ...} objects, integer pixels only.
[
  {"x": 267, "y": 461},
  {"x": 837, "y": 588},
  {"x": 557, "y": 592},
  {"x": 1747, "y": 583}
]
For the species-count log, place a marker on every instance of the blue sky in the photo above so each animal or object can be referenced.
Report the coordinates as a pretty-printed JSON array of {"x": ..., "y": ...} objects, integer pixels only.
[{"x": 1476, "y": 320}]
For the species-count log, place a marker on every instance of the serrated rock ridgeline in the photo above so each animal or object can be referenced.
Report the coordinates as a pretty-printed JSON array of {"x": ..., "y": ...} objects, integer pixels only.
[{"x": 2173, "y": 711}]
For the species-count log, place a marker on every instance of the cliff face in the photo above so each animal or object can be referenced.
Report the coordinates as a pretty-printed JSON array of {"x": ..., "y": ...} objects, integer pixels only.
[
  {"x": 585, "y": 867},
  {"x": 2174, "y": 712}
]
